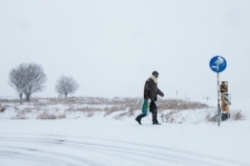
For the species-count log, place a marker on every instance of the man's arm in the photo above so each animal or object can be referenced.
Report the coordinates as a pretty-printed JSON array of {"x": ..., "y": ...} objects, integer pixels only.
[
  {"x": 147, "y": 90},
  {"x": 159, "y": 92}
]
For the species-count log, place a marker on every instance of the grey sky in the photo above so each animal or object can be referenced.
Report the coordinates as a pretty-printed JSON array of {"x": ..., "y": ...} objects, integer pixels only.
[{"x": 112, "y": 46}]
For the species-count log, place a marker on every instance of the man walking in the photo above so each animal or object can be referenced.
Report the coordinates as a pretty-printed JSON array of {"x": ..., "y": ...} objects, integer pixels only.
[{"x": 150, "y": 96}]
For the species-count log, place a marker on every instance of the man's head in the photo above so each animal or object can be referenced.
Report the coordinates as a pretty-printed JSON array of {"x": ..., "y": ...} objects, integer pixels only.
[{"x": 155, "y": 73}]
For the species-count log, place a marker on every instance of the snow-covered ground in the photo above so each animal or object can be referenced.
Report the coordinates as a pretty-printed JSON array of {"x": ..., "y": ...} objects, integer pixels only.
[
  {"x": 119, "y": 109},
  {"x": 105, "y": 141}
]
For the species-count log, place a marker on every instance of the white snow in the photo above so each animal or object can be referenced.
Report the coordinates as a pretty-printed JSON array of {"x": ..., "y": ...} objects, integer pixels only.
[{"x": 104, "y": 141}]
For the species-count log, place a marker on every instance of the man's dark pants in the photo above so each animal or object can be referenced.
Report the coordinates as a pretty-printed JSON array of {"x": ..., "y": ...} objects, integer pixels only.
[{"x": 153, "y": 110}]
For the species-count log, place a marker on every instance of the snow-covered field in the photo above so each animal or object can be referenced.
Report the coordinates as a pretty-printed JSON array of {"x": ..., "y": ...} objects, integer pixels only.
[{"x": 105, "y": 141}]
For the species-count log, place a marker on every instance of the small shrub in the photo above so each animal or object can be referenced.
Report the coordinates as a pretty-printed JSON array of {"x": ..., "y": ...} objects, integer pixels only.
[
  {"x": 83, "y": 109},
  {"x": 238, "y": 115},
  {"x": 62, "y": 116},
  {"x": 45, "y": 115},
  {"x": 121, "y": 115},
  {"x": 90, "y": 114},
  {"x": 208, "y": 116},
  {"x": 110, "y": 110},
  {"x": 40, "y": 104},
  {"x": 168, "y": 117},
  {"x": 131, "y": 111},
  {"x": 27, "y": 110},
  {"x": 20, "y": 118},
  {"x": 2, "y": 109}
]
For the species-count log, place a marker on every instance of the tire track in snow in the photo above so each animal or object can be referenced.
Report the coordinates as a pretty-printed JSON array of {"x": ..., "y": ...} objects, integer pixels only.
[
  {"x": 47, "y": 158},
  {"x": 30, "y": 152},
  {"x": 137, "y": 153}
]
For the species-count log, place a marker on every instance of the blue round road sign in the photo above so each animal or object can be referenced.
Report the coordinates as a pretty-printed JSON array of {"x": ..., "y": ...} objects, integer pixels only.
[{"x": 218, "y": 64}]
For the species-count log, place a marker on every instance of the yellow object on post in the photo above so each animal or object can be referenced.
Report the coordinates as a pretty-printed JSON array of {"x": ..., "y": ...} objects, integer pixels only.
[
  {"x": 224, "y": 87},
  {"x": 225, "y": 99}
]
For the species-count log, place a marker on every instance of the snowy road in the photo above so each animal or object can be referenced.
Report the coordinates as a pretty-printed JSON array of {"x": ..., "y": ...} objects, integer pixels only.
[
  {"x": 65, "y": 150},
  {"x": 54, "y": 145}
]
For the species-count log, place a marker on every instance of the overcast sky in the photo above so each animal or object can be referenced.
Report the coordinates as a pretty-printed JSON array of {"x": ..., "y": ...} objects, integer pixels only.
[{"x": 111, "y": 47}]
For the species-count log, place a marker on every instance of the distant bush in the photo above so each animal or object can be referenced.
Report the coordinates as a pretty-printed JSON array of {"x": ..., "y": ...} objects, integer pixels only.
[
  {"x": 174, "y": 104},
  {"x": 45, "y": 115}
]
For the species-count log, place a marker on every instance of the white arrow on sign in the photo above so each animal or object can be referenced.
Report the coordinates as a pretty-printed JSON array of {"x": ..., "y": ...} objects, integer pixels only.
[{"x": 217, "y": 63}]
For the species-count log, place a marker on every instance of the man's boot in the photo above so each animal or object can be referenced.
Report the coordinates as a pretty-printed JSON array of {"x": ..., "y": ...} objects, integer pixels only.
[
  {"x": 138, "y": 118},
  {"x": 155, "y": 122}
]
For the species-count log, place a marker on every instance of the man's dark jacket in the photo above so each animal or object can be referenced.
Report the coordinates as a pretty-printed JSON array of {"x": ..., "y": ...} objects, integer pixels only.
[{"x": 151, "y": 90}]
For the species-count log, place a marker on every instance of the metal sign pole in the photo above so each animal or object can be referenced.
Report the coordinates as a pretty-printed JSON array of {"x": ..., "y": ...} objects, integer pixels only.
[
  {"x": 218, "y": 64},
  {"x": 218, "y": 88}
]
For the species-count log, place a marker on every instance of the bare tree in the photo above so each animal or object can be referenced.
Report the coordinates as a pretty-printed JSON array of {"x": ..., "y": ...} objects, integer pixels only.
[
  {"x": 66, "y": 85},
  {"x": 17, "y": 80},
  {"x": 35, "y": 79},
  {"x": 27, "y": 79}
]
